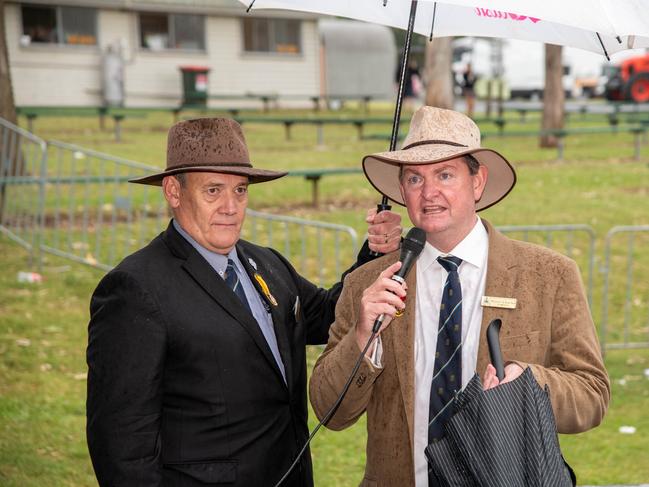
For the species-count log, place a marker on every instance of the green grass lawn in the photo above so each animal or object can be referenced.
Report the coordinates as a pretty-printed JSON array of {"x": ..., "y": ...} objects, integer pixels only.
[{"x": 43, "y": 326}]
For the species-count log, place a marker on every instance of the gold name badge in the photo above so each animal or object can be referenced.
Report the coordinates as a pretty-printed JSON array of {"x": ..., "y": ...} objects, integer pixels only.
[{"x": 496, "y": 302}]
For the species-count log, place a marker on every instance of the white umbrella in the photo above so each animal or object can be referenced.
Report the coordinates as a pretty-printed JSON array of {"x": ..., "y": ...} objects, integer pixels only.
[
  {"x": 496, "y": 18},
  {"x": 604, "y": 26},
  {"x": 613, "y": 17}
]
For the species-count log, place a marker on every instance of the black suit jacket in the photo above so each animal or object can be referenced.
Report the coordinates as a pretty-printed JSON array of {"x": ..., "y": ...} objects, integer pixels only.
[{"x": 182, "y": 387}]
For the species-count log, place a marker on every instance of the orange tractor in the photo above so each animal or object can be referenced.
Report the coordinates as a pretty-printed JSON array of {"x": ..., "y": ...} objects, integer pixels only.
[{"x": 629, "y": 81}]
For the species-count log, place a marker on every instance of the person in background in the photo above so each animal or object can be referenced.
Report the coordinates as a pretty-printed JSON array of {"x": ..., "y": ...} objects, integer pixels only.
[
  {"x": 468, "y": 89},
  {"x": 412, "y": 87},
  {"x": 196, "y": 343}
]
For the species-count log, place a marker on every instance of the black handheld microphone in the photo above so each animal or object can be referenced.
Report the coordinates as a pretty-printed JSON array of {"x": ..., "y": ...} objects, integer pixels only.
[{"x": 411, "y": 247}]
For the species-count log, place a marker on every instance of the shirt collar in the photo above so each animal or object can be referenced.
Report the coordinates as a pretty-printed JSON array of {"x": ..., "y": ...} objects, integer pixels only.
[
  {"x": 219, "y": 262},
  {"x": 472, "y": 249}
]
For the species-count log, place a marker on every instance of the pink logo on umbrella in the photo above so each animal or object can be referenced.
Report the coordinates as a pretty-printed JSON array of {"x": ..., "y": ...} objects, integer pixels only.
[{"x": 497, "y": 14}]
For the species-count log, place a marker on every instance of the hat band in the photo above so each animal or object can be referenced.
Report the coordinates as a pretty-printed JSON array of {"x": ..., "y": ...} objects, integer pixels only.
[
  {"x": 216, "y": 164},
  {"x": 432, "y": 142}
]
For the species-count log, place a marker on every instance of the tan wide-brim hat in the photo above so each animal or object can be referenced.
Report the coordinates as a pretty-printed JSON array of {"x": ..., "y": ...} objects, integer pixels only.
[
  {"x": 437, "y": 135},
  {"x": 208, "y": 145}
]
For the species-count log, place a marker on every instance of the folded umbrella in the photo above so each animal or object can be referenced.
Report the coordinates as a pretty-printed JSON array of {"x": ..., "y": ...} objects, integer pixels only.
[{"x": 505, "y": 436}]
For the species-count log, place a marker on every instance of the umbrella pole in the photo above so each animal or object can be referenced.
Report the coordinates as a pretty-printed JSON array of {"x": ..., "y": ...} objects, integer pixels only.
[
  {"x": 404, "y": 66},
  {"x": 394, "y": 138}
]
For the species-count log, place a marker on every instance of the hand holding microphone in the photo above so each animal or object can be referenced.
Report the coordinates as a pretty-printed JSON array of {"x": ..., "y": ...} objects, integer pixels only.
[
  {"x": 386, "y": 295},
  {"x": 381, "y": 300}
]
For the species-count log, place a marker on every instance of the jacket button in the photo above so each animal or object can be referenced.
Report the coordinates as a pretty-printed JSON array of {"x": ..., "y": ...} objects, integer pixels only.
[{"x": 361, "y": 380}]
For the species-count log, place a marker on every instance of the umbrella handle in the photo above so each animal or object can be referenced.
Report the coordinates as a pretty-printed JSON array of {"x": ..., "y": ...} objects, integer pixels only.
[
  {"x": 379, "y": 208},
  {"x": 493, "y": 340}
]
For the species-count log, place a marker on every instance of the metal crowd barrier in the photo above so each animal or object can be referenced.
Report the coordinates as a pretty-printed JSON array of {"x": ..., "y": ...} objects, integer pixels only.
[
  {"x": 73, "y": 202},
  {"x": 92, "y": 215},
  {"x": 625, "y": 291},
  {"x": 292, "y": 237},
  {"x": 23, "y": 159}
]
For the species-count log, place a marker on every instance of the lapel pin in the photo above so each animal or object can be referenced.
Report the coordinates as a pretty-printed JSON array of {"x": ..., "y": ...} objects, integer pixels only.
[
  {"x": 264, "y": 288},
  {"x": 252, "y": 263}
]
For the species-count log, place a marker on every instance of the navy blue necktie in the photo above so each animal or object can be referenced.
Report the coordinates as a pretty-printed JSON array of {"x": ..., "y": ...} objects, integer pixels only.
[
  {"x": 233, "y": 282},
  {"x": 447, "y": 373}
]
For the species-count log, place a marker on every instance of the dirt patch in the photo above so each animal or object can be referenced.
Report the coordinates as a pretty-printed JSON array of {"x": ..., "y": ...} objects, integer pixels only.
[
  {"x": 302, "y": 208},
  {"x": 638, "y": 190}
]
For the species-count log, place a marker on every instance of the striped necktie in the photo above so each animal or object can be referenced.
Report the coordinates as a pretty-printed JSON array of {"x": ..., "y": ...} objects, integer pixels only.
[
  {"x": 232, "y": 280},
  {"x": 447, "y": 372}
]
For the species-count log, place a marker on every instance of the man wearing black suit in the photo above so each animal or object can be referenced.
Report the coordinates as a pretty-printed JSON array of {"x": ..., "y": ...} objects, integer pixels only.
[{"x": 196, "y": 347}]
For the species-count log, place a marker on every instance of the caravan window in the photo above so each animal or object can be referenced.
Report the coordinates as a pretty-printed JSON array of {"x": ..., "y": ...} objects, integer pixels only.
[
  {"x": 172, "y": 31},
  {"x": 59, "y": 25},
  {"x": 271, "y": 35}
]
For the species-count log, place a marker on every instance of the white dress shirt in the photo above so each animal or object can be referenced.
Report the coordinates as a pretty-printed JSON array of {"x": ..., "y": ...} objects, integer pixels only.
[{"x": 431, "y": 276}]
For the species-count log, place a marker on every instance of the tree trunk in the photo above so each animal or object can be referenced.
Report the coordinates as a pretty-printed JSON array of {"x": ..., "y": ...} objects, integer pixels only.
[
  {"x": 7, "y": 106},
  {"x": 553, "y": 95},
  {"x": 438, "y": 73},
  {"x": 8, "y": 158}
]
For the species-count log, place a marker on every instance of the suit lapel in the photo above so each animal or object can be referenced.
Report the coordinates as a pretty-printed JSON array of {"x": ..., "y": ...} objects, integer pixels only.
[
  {"x": 283, "y": 342},
  {"x": 203, "y": 273},
  {"x": 501, "y": 279},
  {"x": 278, "y": 313},
  {"x": 403, "y": 343}
]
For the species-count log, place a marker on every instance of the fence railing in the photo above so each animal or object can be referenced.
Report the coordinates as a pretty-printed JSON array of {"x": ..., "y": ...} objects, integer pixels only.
[
  {"x": 307, "y": 244},
  {"x": 73, "y": 202},
  {"x": 91, "y": 215},
  {"x": 625, "y": 291},
  {"x": 22, "y": 159}
]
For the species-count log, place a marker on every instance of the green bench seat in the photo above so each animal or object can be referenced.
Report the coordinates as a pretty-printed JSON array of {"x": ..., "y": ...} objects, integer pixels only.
[{"x": 314, "y": 175}]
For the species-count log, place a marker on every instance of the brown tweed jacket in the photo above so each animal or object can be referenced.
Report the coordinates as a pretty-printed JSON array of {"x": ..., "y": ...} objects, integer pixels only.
[{"x": 550, "y": 330}]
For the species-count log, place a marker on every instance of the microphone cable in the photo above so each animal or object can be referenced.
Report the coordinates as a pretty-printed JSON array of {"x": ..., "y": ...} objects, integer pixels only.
[
  {"x": 332, "y": 410},
  {"x": 411, "y": 247}
]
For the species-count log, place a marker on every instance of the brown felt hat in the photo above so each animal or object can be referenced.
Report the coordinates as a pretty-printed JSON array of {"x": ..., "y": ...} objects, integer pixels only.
[
  {"x": 437, "y": 135},
  {"x": 208, "y": 145}
]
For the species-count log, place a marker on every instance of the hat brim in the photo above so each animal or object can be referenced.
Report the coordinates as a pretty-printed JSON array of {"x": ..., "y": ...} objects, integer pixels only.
[
  {"x": 254, "y": 175},
  {"x": 382, "y": 170}
]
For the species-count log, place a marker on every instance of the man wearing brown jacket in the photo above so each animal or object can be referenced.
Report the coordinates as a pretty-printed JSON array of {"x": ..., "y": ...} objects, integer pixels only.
[{"x": 467, "y": 275}]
